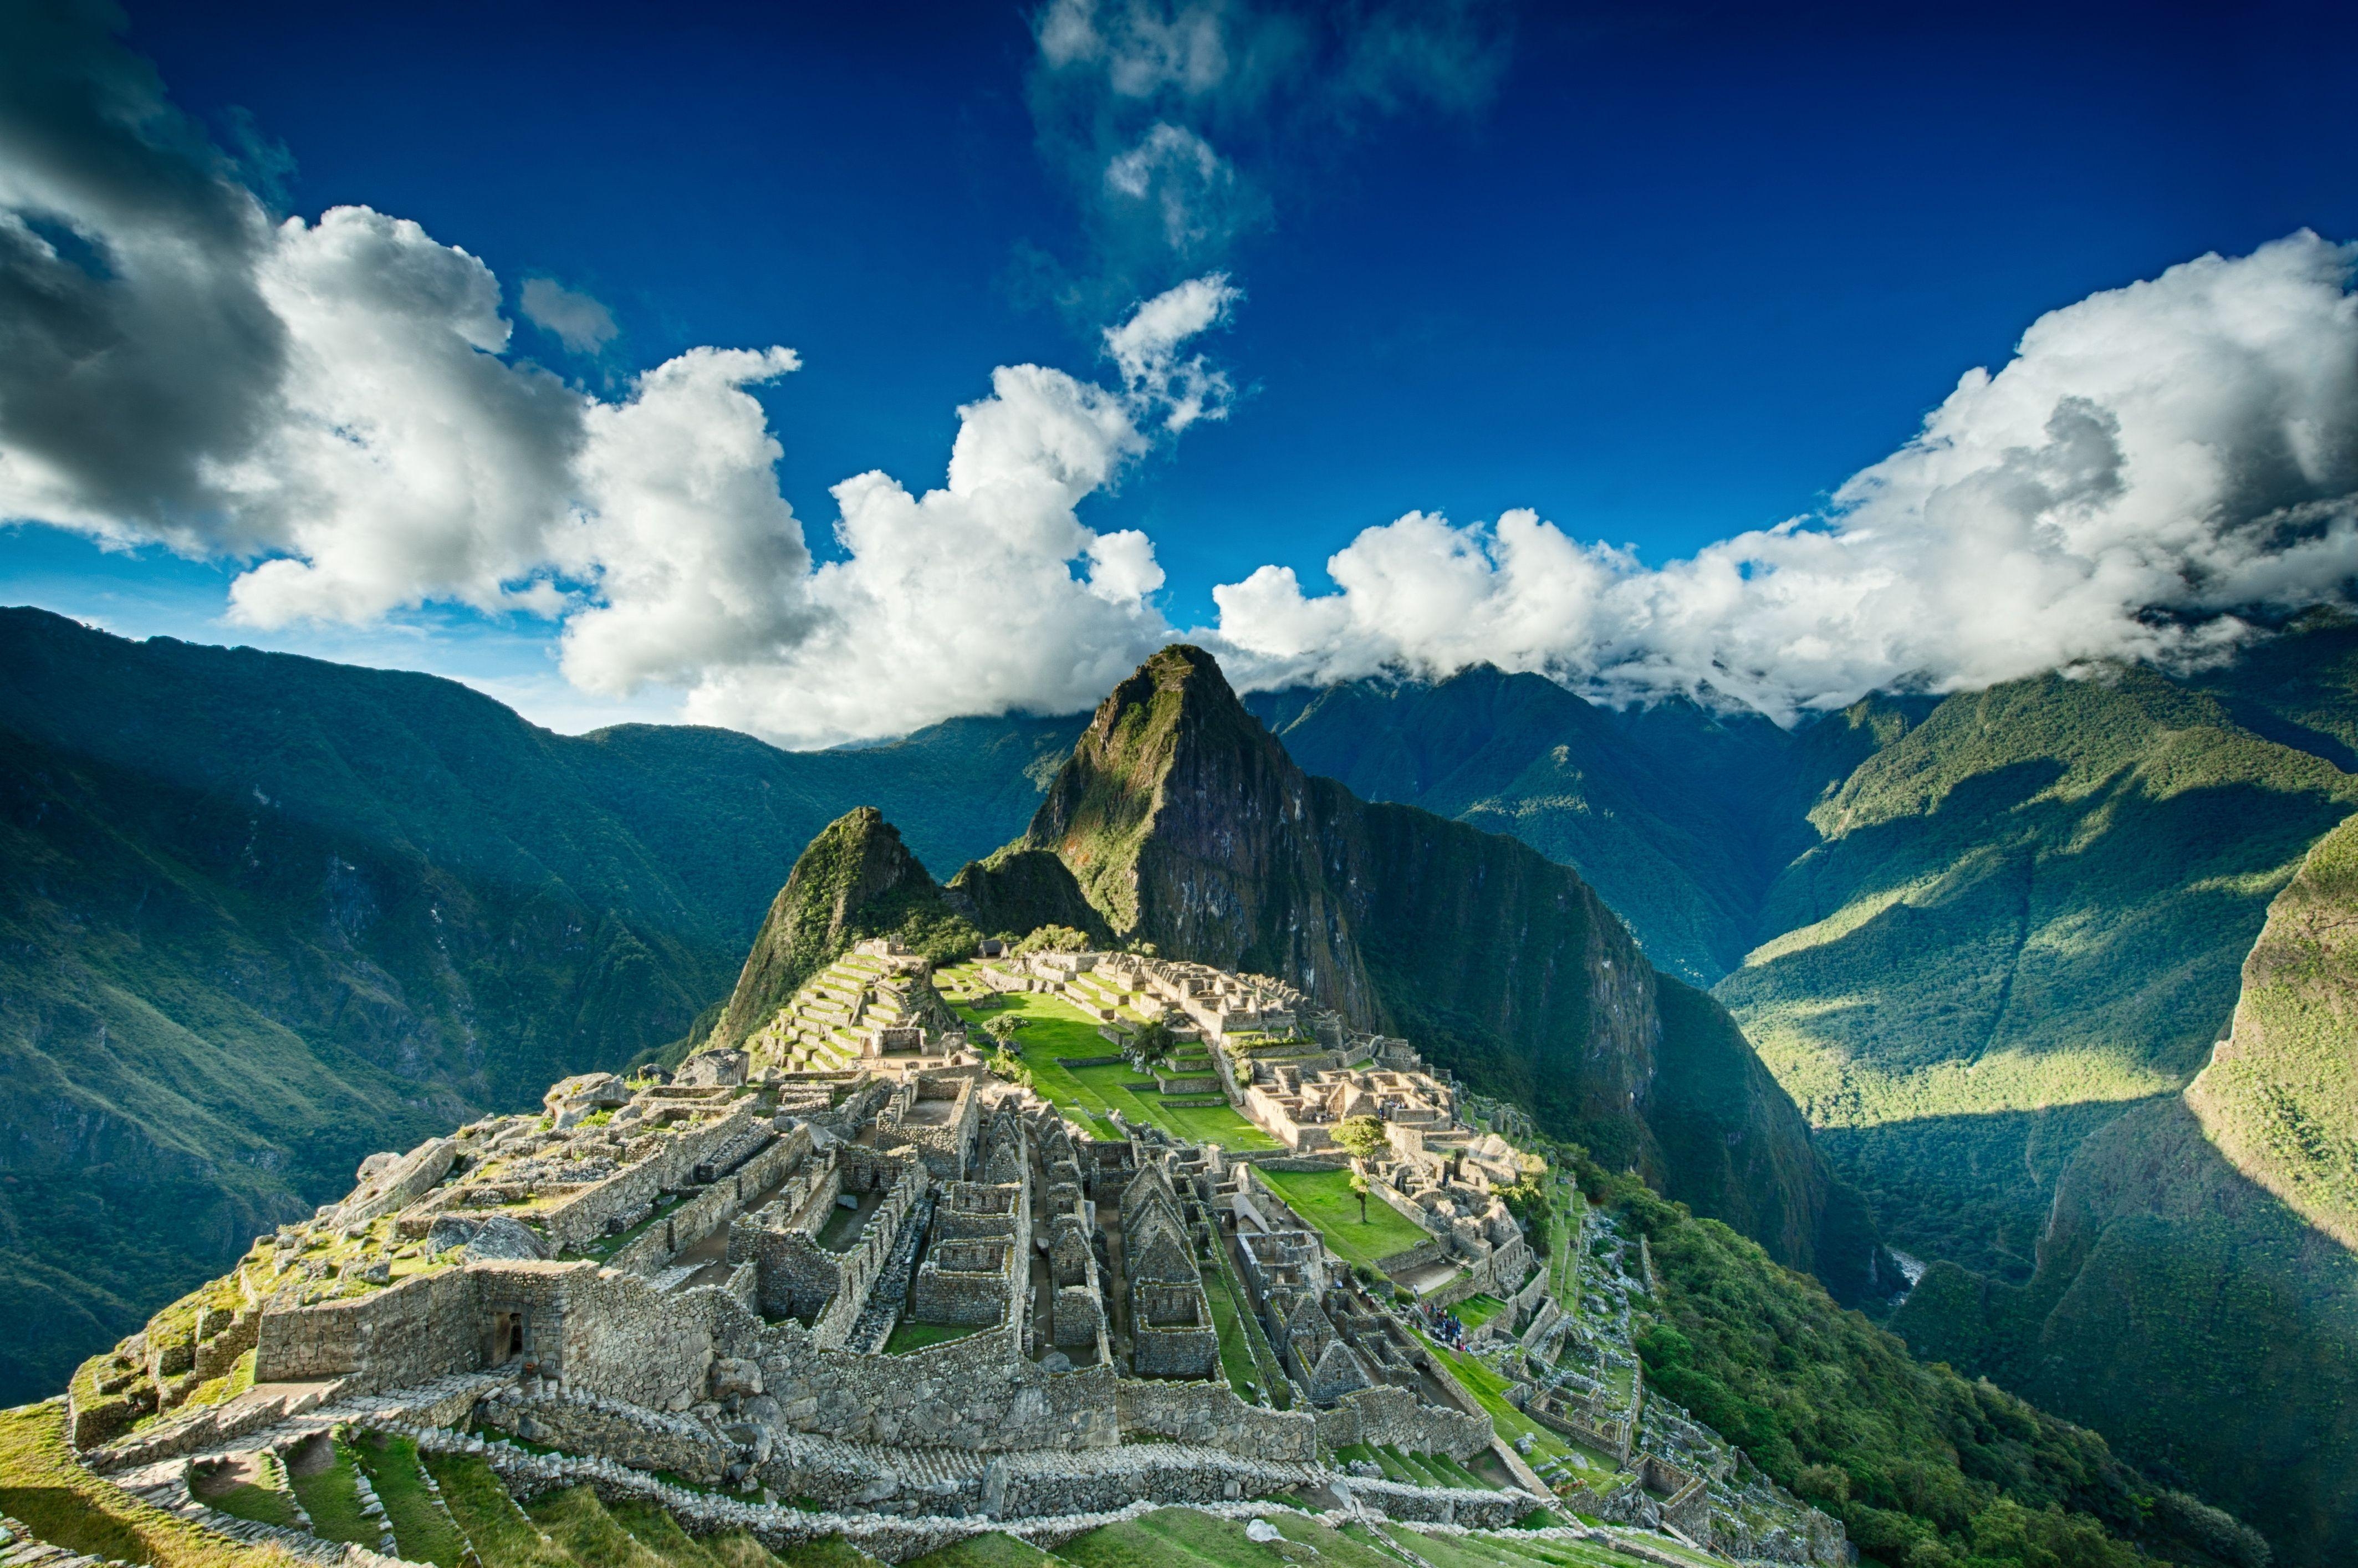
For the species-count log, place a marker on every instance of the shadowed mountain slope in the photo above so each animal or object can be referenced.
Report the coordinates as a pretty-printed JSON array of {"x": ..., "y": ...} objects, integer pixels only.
[{"x": 855, "y": 880}]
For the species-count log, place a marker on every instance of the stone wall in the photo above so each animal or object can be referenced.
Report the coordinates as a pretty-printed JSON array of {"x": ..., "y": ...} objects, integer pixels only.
[
  {"x": 964, "y": 1281},
  {"x": 977, "y": 1392},
  {"x": 576, "y": 1222},
  {"x": 1210, "y": 1413},
  {"x": 1390, "y": 1415},
  {"x": 425, "y": 1327},
  {"x": 797, "y": 1277},
  {"x": 611, "y": 1332}
]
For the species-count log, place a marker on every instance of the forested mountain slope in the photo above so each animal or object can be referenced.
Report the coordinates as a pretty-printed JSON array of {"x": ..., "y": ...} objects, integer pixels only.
[
  {"x": 1662, "y": 810},
  {"x": 1965, "y": 932},
  {"x": 261, "y": 916},
  {"x": 2025, "y": 915},
  {"x": 2196, "y": 1294},
  {"x": 2016, "y": 922}
]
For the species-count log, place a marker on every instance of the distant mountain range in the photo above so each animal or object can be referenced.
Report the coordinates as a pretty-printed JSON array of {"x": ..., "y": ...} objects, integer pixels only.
[{"x": 260, "y": 916}]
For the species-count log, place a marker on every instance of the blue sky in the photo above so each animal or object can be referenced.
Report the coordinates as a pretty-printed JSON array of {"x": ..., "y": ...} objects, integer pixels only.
[{"x": 1665, "y": 274}]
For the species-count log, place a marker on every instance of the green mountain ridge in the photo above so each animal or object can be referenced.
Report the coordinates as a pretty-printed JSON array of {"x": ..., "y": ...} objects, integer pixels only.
[
  {"x": 261, "y": 916},
  {"x": 2196, "y": 1294},
  {"x": 2015, "y": 922}
]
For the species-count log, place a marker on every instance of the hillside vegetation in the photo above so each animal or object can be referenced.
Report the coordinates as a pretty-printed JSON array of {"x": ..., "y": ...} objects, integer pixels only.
[
  {"x": 1925, "y": 1468},
  {"x": 2195, "y": 1295}
]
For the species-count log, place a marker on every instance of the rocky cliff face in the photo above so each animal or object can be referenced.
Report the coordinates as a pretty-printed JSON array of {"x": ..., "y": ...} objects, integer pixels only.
[{"x": 1185, "y": 823}]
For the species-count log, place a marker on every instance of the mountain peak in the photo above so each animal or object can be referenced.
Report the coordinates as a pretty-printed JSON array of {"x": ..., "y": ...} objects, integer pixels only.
[
  {"x": 1171, "y": 737},
  {"x": 854, "y": 881}
]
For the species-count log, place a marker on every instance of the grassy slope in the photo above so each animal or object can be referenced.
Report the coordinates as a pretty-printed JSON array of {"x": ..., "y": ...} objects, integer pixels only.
[
  {"x": 43, "y": 1486},
  {"x": 1324, "y": 1198},
  {"x": 261, "y": 916},
  {"x": 421, "y": 1528},
  {"x": 854, "y": 881},
  {"x": 2280, "y": 1095}
]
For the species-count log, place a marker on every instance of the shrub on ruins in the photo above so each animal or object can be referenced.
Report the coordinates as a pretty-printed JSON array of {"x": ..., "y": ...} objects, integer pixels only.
[
  {"x": 1153, "y": 1041},
  {"x": 1528, "y": 1202},
  {"x": 1052, "y": 939}
]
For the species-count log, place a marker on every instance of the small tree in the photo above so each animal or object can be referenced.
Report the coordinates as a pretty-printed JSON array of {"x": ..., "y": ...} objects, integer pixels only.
[
  {"x": 1052, "y": 939},
  {"x": 1153, "y": 1041},
  {"x": 1001, "y": 1031},
  {"x": 1361, "y": 1136}
]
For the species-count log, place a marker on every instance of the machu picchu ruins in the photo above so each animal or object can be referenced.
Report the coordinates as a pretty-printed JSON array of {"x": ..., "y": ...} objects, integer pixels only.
[{"x": 1033, "y": 1243}]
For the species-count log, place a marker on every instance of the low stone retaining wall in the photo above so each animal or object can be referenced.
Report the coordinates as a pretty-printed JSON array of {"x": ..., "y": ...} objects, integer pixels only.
[{"x": 1074, "y": 1496}]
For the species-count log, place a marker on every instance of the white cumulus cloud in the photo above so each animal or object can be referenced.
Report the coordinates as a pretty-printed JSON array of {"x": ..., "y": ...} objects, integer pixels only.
[{"x": 2156, "y": 462}]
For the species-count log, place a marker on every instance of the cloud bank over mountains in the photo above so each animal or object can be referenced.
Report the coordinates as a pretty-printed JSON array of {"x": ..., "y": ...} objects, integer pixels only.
[
  {"x": 338, "y": 402},
  {"x": 2154, "y": 464}
]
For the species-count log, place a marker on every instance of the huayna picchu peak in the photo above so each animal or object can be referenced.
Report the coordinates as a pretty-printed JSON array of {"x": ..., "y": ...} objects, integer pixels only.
[{"x": 1185, "y": 825}]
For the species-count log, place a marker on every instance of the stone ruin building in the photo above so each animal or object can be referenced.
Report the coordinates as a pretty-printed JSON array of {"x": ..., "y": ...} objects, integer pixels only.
[{"x": 850, "y": 1268}]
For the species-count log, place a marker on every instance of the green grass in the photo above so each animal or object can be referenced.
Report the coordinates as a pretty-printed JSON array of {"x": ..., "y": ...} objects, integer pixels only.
[
  {"x": 263, "y": 1505},
  {"x": 1178, "y": 1538},
  {"x": 44, "y": 1487},
  {"x": 502, "y": 1534},
  {"x": 584, "y": 1531},
  {"x": 907, "y": 1336},
  {"x": 421, "y": 1528},
  {"x": 1492, "y": 1551},
  {"x": 1324, "y": 1198},
  {"x": 1478, "y": 1309},
  {"x": 1489, "y": 1390},
  {"x": 994, "y": 1550},
  {"x": 328, "y": 1496},
  {"x": 1235, "y": 1350},
  {"x": 1054, "y": 1028},
  {"x": 652, "y": 1525},
  {"x": 269, "y": 1502}
]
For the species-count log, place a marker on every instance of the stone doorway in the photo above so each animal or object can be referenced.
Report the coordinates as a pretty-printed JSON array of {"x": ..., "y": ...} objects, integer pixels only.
[{"x": 507, "y": 1337}]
